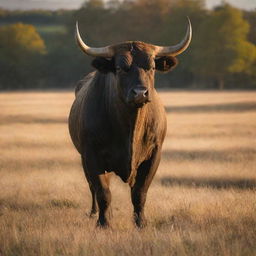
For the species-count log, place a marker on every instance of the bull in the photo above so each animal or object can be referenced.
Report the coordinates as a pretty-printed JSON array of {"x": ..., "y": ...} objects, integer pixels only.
[{"x": 117, "y": 121}]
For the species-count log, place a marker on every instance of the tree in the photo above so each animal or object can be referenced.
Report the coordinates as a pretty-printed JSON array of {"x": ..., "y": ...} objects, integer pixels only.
[
  {"x": 221, "y": 46},
  {"x": 250, "y": 16},
  {"x": 93, "y": 4},
  {"x": 20, "y": 50}
]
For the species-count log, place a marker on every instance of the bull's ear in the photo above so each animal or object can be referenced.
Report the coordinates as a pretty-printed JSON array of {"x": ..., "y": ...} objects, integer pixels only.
[
  {"x": 104, "y": 65},
  {"x": 166, "y": 63}
]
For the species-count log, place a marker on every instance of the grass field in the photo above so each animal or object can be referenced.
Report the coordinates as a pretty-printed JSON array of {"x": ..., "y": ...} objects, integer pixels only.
[{"x": 202, "y": 200}]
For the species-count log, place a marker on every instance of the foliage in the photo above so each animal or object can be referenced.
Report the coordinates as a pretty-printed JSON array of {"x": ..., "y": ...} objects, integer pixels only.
[
  {"x": 34, "y": 16},
  {"x": 251, "y": 19},
  {"x": 222, "y": 48},
  {"x": 222, "y": 51},
  {"x": 20, "y": 46}
]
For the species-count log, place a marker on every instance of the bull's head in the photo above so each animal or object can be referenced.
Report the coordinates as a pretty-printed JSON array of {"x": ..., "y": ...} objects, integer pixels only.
[{"x": 134, "y": 64}]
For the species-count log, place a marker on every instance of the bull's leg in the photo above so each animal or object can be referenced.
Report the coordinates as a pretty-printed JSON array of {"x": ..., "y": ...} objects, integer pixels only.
[
  {"x": 99, "y": 187},
  {"x": 145, "y": 174},
  {"x": 103, "y": 194},
  {"x": 94, "y": 207},
  {"x": 108, "y": 176}
]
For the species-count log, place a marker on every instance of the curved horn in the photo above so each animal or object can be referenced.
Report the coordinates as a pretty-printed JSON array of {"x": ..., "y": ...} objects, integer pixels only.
[
  {"x": 106, "y": 52},
  {"x": 178, "y": 48}
]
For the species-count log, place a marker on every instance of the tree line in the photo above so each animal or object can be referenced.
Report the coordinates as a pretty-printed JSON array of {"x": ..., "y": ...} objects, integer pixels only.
[{"x": 36, "y": 53}]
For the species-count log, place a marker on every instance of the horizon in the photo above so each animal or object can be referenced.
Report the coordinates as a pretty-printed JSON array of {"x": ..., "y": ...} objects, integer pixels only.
[{"x": 75, "y": 4}]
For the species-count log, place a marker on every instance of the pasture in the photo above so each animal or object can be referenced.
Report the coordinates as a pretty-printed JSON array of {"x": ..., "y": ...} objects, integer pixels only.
[{"x": 202, "y": 200}]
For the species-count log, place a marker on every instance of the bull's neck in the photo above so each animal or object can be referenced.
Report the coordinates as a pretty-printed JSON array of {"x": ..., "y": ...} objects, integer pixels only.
[
  {"x": 126, "y": 119},
  {"x": 122, "y": 116},
  {"x": 127, "y": 126}
]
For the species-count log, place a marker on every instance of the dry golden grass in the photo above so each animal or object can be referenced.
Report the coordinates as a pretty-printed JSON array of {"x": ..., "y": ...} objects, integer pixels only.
[{"x": 202, "y": 200}]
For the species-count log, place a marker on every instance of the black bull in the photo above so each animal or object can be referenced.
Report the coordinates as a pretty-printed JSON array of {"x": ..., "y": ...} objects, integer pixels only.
[{"x": 118, "y": 124}]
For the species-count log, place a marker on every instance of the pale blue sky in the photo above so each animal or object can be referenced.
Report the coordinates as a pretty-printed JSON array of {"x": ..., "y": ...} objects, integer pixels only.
[{"x": 73, "y": 4}]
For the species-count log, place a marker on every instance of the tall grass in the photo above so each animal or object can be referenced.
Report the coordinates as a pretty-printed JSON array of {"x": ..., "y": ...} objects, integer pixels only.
[{"x": 202, "y": 200}]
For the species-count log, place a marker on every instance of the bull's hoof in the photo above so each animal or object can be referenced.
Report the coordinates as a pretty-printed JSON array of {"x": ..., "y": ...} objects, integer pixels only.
[
  {"x": 91, "y": 215},
  {"x": 102, "y": 224},
  {"x": 141, "y": 224}
]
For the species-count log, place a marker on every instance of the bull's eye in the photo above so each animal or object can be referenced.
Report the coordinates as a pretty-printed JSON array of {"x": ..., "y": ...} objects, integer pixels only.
[
  {"x": 122, "y": 70},
  {"x": 151, "y": 69}
]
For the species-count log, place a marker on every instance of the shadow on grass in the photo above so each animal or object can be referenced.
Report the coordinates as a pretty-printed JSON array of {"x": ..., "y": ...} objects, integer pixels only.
[
  {"x": 229, "y": 107},
  {"x": 63, "y": 203},
  {"x": 234, "y": 155},
  {"x": 29, "y": 119},
  {"x": 216, "y": 183}
]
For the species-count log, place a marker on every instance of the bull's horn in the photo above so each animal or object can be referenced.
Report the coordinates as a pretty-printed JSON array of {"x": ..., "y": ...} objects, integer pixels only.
[
  {"x": 178, "y": 48},
  {"x": 106, "y": 52}
]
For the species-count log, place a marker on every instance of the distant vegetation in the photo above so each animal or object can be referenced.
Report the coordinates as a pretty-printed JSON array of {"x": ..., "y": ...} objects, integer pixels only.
[
  {"x": 222, "y": 54},
  {"x": 21, "y": 50}
]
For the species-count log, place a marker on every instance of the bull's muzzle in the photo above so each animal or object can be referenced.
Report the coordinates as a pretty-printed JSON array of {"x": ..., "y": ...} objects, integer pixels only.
[{"x": 139, "y": 96}]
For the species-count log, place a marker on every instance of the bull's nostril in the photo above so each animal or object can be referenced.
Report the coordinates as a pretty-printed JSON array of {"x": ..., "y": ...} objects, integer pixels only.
[
  {"x": 140, "y": 92},
  {"x": 134, "y": 91},
  {"x": 145, "y": 94}
]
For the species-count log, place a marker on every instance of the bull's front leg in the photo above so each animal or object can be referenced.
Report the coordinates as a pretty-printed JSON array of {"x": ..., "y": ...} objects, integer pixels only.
[
  {"x": 103, "y": 195},
  {"x": 138, "y": 200},
  {"x": 145, "y": 174},
  {"x": 94, "y": 207},
  {"x": 99, "y": 185}
]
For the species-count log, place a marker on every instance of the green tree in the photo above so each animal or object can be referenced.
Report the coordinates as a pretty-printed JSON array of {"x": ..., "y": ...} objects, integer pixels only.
[
  {"x": 20, "y": 50},
  {"x": 250, "y": 16},
  {"x": 173, "y": 30},
  {"x": 221, "y": 47},
  {"x": 93, "y": 4}
]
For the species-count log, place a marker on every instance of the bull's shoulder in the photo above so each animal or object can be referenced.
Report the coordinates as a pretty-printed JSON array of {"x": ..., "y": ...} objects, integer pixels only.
[{"x": 84, "y": 82}]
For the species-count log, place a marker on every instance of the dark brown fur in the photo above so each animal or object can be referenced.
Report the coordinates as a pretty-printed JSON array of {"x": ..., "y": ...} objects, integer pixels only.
[{"x": 113, "y": 132}]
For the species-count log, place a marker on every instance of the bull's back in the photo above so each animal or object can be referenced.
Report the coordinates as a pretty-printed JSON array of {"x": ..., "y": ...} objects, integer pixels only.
[{"x": 76, "y": 113}]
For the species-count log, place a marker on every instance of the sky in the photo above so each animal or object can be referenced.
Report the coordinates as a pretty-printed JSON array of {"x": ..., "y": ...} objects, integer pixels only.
[{"x": 74, "y": 4}]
